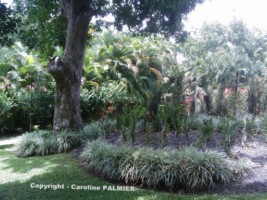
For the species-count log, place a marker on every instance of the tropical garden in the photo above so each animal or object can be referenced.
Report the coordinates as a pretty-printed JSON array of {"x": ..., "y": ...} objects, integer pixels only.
[{"x": 170, "y": 116}]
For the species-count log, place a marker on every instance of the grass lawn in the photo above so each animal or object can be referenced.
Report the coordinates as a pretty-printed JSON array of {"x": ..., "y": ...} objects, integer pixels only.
[{"x": 18, "y": 176}]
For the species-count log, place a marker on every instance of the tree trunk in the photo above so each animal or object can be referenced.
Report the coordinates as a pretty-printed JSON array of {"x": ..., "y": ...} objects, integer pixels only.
[
  {"x": 207, "y": 101},
  {"x": 67, "y": 71},
  {"x": 235, "y": 92},
  {"x": 252, "y": 98},
  {"x": 154, "y": 105}
]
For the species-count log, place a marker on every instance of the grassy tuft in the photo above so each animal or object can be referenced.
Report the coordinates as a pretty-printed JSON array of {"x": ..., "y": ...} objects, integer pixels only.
[
  {"x": 35, "y": 143},
  {"x": 99, "y": 129},
  {"x": 42, "y": 143},
  {"x": 65, "y": 141},
  {"x": 167, "y": 168},
  {"x": 92, "y": 131}
]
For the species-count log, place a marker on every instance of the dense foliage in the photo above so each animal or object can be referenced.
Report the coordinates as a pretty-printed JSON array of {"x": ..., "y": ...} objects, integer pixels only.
[
  {"x": 8, "y": 24},
  {"x": 26, "y": 90},
  {"x": 43, "y": 25},
  {"x": 227, "y": 69},
  {"x": 159, "y": 17}
]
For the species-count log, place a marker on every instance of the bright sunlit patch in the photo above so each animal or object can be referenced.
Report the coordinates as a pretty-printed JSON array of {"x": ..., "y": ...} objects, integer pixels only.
[
  {"x": 7, "y": 172},
  {"x": 8, "y": 141},
  {"x": 146, "y": 197},
  {"x": 9, "y": 175},
  {"x": 8, "y": 2}
]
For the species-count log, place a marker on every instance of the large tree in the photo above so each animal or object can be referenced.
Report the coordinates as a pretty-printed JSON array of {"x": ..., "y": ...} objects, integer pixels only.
[{"x": 140, "y": 16}]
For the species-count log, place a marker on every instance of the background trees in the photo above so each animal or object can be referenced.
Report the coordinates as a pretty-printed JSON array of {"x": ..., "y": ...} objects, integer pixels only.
[
  {"x": 226, "y": 62},
  {"x": 8, "y": 24},
  {"x": 26, "y": 90}
]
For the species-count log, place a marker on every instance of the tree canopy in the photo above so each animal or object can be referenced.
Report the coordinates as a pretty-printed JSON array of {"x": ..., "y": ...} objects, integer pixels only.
[
  {"x": 160, "y": 16},
  {"x": 44, "y": 24}
]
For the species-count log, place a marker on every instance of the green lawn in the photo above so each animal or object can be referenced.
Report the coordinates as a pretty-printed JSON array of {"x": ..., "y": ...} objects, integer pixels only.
[{"x": 19, "y": 175}]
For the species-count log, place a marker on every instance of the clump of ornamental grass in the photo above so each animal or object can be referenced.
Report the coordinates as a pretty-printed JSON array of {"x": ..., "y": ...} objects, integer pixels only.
[
  {"x": 98, "y": 129},
  {"x": 162, "y": 168},
  {"x": 92, "y": 131},
  {"x": 36, "y": 143},
  {"x": 66, "y": 140},
  {"x": 42, "y": 143}
]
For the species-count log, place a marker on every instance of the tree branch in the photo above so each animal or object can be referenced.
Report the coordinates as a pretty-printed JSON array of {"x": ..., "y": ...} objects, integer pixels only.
[{"x": 55, "y": 67}]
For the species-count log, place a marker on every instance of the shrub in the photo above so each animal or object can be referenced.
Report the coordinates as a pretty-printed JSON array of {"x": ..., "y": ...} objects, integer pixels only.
[
  {"x": 92, "y": 131},
  {"x": 206, "y": 130},
  {"x": 34, "y": 108},
  {"x": 128, "y": 120},
  {"x": 229, "y": 130},
  {"x": 41, "y": 143},
  {"x": 165, "y": 168},
  {"x": 262, "y": 124},
  {"x": 248, "y": 123},
  {"x": 201, "y": 118},
  {"x": 6, "y": 113},
  {"x": 107, "y": 125}
]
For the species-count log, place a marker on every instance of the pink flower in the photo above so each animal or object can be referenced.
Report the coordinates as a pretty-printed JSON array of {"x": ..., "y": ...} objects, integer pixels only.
[
  {"x": 187, "y": 103},
  {"x": 227, "y": 92},
  {"x": 31, "y": 86},
  {"x": 188, "y": 100}
]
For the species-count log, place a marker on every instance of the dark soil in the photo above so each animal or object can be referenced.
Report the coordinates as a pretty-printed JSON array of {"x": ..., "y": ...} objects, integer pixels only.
[{"x": 254, "y": 153}]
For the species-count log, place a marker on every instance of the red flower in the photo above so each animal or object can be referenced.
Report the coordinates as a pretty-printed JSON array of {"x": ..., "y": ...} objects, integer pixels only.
[
  {"x": 111, "y": 109},
  {"x": 187, "y": 103},
  {"x": 188, "y": 100}
]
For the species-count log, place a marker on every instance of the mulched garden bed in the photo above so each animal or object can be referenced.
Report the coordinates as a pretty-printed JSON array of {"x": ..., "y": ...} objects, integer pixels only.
[{"x": 253, "y": 153}]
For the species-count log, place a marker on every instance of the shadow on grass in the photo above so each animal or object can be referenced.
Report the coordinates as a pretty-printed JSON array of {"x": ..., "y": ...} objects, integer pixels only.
[
  {"x": 25, "y": 165},
  {"x": 6, "y": 146},
  {"x": 67, "y": 173},
  {"x": 18, "y": 177},
  {"x": 27, "y": 190}
]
